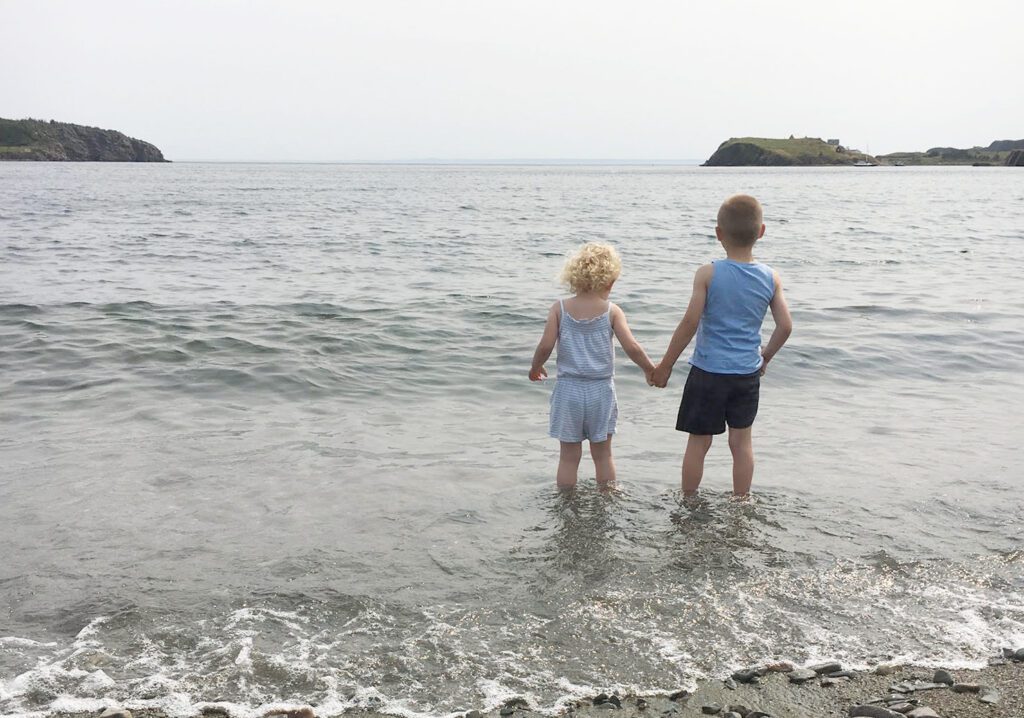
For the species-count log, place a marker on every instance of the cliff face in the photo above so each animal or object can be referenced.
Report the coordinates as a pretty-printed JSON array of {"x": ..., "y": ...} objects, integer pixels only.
[
  {"x": 1006, "y": 145},
  {"x": 64, "y": 142},
  {"x": 768, "y": 152}
]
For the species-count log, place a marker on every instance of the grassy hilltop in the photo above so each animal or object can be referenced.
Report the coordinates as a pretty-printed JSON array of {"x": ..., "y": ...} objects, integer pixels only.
[
  {"x": 65, "y": 142},
  {"x": 769, "y": 152}
]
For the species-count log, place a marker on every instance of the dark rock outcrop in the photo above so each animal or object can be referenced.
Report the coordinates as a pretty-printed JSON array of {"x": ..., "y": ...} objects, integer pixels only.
[
  {"x": 65, "y": 142},
  {"x": 1004, "y": 145}
]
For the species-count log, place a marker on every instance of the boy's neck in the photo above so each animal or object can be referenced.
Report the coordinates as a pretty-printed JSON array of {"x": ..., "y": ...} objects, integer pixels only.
[{"x": 740, "y": 254}]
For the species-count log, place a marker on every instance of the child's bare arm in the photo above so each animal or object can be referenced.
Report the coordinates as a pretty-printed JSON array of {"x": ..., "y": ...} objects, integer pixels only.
[
  {"x": 687, "y": 326},
  {"x": 629, "y": 343},
  {"x": 783, "y": 324},
  {"x": 546, "y": 345}
]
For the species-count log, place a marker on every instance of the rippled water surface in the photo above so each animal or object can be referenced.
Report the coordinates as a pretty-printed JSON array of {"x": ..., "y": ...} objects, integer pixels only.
[{"x": 266, "y": 435}]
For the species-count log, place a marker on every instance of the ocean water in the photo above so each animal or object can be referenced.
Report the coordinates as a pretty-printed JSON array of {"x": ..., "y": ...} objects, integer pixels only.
[{"x": 266, "y": 435}]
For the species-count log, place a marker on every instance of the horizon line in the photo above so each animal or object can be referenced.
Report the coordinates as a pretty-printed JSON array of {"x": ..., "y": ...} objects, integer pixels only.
[{"x": 457, "y": 161}]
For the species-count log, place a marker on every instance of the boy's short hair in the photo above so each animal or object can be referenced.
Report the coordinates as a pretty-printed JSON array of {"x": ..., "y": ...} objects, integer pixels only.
[
  {"x": 740, "y": 218},
  {"x": 591, "y": 268}
]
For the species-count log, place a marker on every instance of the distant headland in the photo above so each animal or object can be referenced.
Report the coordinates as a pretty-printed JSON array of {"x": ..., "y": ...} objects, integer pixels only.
[
  {"x": 812, "y": 151},
  {"x": 64, "y": 142}
]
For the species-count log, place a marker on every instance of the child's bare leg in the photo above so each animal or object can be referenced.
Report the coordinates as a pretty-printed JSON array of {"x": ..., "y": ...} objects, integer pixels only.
[
  {"x": 742, "y": 447},
  {"x": 601, "y": 452},
  {"x": 693, "y": 462},
  {"x": 568, "y": 462}
]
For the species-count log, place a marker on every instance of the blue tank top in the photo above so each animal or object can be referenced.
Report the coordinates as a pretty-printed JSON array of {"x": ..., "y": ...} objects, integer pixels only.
[
  {"x": 729, "y": 334},
  {"x": 585, "y": 347}
]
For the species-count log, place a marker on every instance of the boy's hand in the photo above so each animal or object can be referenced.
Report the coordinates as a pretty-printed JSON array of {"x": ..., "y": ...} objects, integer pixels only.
[
  {"x": 660, "y": 375},
  {"x": 764, "y": 367},
  {"x": 538, "y": 373}
]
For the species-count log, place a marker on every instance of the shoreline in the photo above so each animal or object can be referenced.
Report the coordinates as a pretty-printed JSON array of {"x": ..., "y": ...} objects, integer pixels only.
[{"x": 778, "y": 690}]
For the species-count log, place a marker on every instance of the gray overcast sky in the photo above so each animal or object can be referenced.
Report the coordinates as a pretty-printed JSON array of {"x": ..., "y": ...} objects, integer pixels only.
[{"x": 400, "y": 79}]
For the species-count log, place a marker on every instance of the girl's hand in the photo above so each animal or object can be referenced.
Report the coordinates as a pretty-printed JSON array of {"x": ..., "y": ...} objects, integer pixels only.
[{"x": 538, "y": 373}]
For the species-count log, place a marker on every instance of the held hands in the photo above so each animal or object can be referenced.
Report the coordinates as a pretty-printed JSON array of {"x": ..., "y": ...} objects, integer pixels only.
[
  {"x": 659, "y": 375},
  {"x": 538, "y": 373}
]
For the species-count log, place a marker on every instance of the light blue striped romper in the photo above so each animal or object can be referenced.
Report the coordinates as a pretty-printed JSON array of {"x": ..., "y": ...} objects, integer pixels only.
[{"x": 583, "y": 402}]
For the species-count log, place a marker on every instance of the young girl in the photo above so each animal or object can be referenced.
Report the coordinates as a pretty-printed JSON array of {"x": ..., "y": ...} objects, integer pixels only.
[{"x": 583, "y": 402}]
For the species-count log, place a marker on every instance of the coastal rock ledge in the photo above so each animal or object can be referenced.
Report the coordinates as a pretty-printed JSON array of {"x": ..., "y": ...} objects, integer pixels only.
[
  {"x": 770, "y": 152},
  {"x": 64, "y": 142}
]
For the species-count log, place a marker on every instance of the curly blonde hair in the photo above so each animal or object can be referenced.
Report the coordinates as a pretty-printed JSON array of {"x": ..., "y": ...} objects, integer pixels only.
[{"x": 591, "y": 268}]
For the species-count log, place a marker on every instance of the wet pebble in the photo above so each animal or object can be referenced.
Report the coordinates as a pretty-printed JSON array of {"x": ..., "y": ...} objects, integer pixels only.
[
  {"x": 829, "y": 667},
  {"x": 903, "y": 707},
  {"x": 711, "y": 709},
  {"x": 747, "y": 675},
  {"x": 842, "y": 674},
  {"x": 870, "y": 711},
  {"x": 507, "y": 710},
  {"x": 679, "y": 695},
  {"x": 641, "y": 704},
  {"x": 729, "y": 683},
  {"x": 988, "y": 695},
  {"x": 731, "y": 714},
  {"x": 474, "y": 714},
  {"x": 116, "y": 713},
  {"x": 944, "y": 677},
  {"x": 1018, "y": 655},
  {"x": 923, "y": 712},
  {"x": 607, "y": 705},
  {"x": 801, "y": 675},
  {"x": 886, "y": 669},
  {"x": 966, "y": 688},
  {"x": 739, "y": 708}
]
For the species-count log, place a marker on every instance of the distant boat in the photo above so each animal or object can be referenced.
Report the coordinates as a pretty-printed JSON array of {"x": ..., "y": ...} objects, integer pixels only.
[{"x": 865, "y": 163}]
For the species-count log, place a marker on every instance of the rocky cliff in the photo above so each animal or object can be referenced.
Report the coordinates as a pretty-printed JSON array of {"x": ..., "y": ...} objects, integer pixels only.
[
  {"x": 64, "y": 142},
  {"x": 769, "y": 152}
]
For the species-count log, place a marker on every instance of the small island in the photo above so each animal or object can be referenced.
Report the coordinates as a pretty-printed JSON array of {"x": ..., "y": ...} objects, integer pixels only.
[
  {"x": 814, "y": 151},
  {"x": 53, "y": 141}
]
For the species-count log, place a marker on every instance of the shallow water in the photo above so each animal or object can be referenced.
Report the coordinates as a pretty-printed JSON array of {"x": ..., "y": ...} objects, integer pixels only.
[{"x": 266, "y": 435}]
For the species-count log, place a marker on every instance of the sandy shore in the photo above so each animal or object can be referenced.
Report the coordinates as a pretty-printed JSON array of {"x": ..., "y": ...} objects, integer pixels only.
[{"x": 772, "y": 694}]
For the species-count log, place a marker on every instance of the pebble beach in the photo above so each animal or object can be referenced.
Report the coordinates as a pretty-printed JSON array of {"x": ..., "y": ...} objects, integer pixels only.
[{"x": 777, "y": 690}]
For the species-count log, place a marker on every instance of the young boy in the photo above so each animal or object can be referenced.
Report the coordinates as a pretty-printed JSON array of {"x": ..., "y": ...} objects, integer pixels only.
[{"x": 730, "y": 297}]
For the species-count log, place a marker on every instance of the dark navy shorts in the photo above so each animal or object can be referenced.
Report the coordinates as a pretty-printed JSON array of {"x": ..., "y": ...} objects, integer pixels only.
[{"x": 710, "y": 401}]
